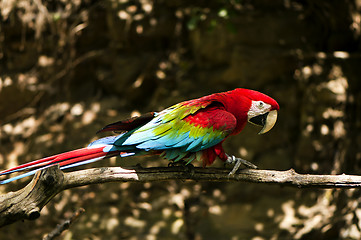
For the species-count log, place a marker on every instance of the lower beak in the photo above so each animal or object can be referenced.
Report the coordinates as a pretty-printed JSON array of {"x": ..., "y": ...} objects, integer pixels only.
[{"x": 267, "y": 121}]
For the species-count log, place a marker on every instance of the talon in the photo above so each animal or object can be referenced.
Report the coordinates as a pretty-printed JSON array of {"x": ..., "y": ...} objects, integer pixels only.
[
  {"x": 178, "y": 163},
  {"x": 237, "y": 163},
  {"x": 190, "y": 169}
]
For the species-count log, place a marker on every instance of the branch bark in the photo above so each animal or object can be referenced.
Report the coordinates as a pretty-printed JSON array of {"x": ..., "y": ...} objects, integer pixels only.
[
  {"x": 27, "y": 203},
  {"x": 64, "y": 225}
]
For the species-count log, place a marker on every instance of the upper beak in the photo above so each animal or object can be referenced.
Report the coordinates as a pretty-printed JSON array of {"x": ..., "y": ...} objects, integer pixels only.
[{"x": 267, "y": 121}]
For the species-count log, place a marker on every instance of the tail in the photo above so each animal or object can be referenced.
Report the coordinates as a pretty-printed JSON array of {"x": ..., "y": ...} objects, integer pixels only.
[{"x": 94, "y": 152}]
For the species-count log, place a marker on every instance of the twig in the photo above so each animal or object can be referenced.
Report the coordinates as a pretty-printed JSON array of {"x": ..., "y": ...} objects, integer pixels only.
[
  {"x": 26, "y": 203},
  {"x": 64, "y": 225}
]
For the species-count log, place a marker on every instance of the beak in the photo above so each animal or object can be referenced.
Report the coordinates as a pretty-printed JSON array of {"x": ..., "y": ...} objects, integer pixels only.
[{"x": 267, "y": 121}]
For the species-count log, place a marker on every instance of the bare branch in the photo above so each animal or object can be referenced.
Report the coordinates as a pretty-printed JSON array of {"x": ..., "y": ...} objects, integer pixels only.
[
  {"x": 64, "y": 225},
  {"x": 26, "y": 203}
]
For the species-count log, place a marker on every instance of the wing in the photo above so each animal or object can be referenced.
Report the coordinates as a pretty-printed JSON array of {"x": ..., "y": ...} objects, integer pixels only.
[
  {"x": 128, "y": 124},
  {"x": 188, "y": 126}
]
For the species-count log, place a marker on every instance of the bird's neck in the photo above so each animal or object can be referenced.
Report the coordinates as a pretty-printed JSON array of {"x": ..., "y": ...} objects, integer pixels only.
[{"x": 238, "y": 105}]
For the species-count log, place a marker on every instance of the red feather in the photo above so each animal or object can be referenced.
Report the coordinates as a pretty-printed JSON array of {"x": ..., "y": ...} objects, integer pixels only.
[{"x": 225, "y": 112}]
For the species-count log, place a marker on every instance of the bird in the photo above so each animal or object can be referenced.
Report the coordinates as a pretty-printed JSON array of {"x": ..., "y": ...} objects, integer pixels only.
[{"x": 187, "y": 131}]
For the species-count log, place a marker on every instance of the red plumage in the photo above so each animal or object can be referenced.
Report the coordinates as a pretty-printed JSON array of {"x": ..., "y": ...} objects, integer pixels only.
[{"x": 193, "y": 129}]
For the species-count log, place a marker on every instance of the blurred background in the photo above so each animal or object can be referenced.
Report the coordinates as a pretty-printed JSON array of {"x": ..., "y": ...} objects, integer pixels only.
[{"x": 69, "y": 67}]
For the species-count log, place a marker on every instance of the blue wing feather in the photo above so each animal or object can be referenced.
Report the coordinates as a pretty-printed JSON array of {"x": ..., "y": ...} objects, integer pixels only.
[{"x": 170, "y": 131}]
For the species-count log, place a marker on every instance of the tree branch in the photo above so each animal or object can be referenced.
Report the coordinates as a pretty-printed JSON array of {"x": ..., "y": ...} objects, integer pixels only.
[
  {"x": 64, "y": 225},
  {"x": 26, "y": 203}
]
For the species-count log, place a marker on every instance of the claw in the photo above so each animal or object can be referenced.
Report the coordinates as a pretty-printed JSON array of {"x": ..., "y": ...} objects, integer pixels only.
[
  {"x": 237, "y": 163},
  {"x": 187, "y": 167},
  {"x": 178, "y": 163}
]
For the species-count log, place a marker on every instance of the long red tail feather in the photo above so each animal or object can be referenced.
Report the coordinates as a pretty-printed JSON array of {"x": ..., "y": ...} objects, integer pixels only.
[{"x": 65, "y": 160}]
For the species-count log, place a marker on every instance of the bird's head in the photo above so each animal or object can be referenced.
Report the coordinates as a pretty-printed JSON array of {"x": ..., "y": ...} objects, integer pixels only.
[
  {"x": 262, "y": 111},
  {"x": 249, "y": 105}
]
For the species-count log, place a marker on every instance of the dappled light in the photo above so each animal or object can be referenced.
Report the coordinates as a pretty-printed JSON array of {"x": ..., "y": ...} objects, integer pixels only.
[{"x": 68, "y": 68}]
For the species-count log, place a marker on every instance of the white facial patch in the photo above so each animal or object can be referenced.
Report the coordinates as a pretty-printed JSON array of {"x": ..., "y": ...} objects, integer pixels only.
[{"x": 258, "y": 108}]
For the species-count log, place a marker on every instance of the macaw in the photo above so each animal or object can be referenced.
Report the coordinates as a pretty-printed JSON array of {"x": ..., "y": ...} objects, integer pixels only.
[{"x": 190, "y": 130}]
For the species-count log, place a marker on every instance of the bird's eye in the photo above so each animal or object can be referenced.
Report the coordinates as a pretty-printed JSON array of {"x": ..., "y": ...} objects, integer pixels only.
[{"x": 260, "y": 104}]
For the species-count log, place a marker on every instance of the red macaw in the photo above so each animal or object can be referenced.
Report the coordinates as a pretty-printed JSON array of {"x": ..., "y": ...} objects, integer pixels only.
[{"x": 190, "y": 130}]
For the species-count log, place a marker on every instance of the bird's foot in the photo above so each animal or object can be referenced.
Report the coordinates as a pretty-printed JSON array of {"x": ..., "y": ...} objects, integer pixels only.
[
  {"x": 177, "y": 163},
  {"x": 237, "y": 163},
  {"x": 188, "y": 167},
  {"x": 181, "y": 163}
]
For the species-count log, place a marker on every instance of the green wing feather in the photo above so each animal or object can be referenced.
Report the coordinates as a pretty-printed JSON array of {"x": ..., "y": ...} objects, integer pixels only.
[{"x": 186, "y": 127}]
